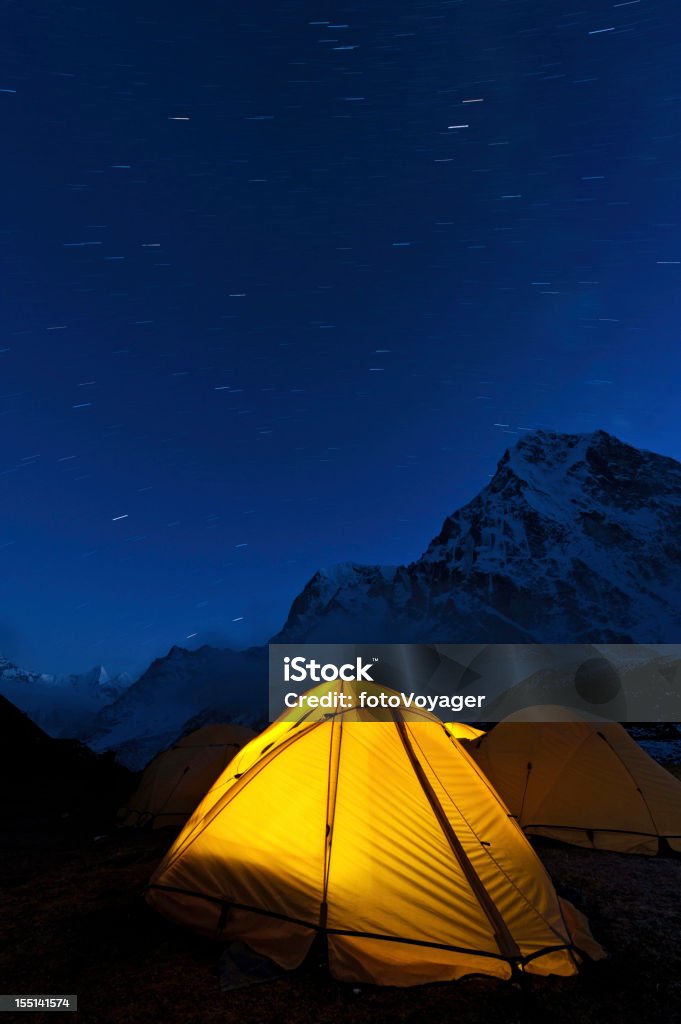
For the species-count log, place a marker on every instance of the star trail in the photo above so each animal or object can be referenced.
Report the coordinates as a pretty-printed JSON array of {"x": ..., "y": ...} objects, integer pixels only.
[{"x": 282, "y": 281}]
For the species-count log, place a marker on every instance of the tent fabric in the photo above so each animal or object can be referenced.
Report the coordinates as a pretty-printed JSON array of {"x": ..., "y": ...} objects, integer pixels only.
[
  {"x": 382, "y": 835},
  {"x": 463, "y": 731},
  {"x": 176, "y": 780},
  {"x": 587, "y": 783}
]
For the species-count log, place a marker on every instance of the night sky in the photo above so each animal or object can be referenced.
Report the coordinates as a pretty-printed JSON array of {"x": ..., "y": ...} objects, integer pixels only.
[{"x": 281, "y": 281}]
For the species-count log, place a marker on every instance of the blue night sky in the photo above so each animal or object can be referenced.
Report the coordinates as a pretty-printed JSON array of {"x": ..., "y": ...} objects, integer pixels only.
[{"x": 281, "y": 281}]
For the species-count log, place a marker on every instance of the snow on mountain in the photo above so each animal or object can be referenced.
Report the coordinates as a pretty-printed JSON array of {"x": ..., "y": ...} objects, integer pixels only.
[
  {"x": 574, "y": 540},
  {"x": 156, "y": 709},
  {"x": 62, "y": 705},
  {"x": 348, "y": 602}
]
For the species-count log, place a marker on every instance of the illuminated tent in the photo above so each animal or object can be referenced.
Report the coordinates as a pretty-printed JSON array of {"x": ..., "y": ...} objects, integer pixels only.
[
  {"x": 384, "y": 837},
  {"x": 583, "y": 782},
  {"x": 178, "y": 778},
  {"x": 463, "y": 731}
]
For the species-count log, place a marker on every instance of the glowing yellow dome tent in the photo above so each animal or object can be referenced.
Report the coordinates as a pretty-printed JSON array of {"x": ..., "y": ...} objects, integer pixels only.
[
  {"x": 587, "y": 783},
  {"x": 381, "y": 835},
  {"x": 178, "y": 778}
]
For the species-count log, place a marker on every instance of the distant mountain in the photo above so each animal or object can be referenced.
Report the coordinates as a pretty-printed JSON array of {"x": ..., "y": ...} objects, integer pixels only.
[
  {"x": 213, "y": 684},
  {"x": 576, "y": 539},
  {"x": 63, "y": 705}
]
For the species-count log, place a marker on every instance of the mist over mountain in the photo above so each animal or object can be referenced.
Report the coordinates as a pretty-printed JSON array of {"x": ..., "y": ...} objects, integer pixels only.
[
  {"x": 178, "y": 692},
  {"x": 62, "y": 705}
]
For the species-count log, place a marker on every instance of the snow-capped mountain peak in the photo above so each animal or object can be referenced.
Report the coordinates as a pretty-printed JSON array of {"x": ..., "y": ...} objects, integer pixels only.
[{"x": 574, "y": 539}]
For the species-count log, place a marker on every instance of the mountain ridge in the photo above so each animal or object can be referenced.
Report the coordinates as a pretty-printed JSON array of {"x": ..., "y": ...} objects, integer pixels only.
[{"x": 528, "y": 559}]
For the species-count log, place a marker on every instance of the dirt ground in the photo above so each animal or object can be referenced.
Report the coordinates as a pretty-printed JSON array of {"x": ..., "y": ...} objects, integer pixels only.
[{"x": 74, "y": 921}]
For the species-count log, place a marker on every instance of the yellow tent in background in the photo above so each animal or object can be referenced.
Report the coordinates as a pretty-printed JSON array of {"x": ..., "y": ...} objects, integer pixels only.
[
  {"x": 382, "y": 835},
  {"x": 178, "y": 778},
  {"x": 463, "y": 731},
  {"x": 583, "y": 782}
]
